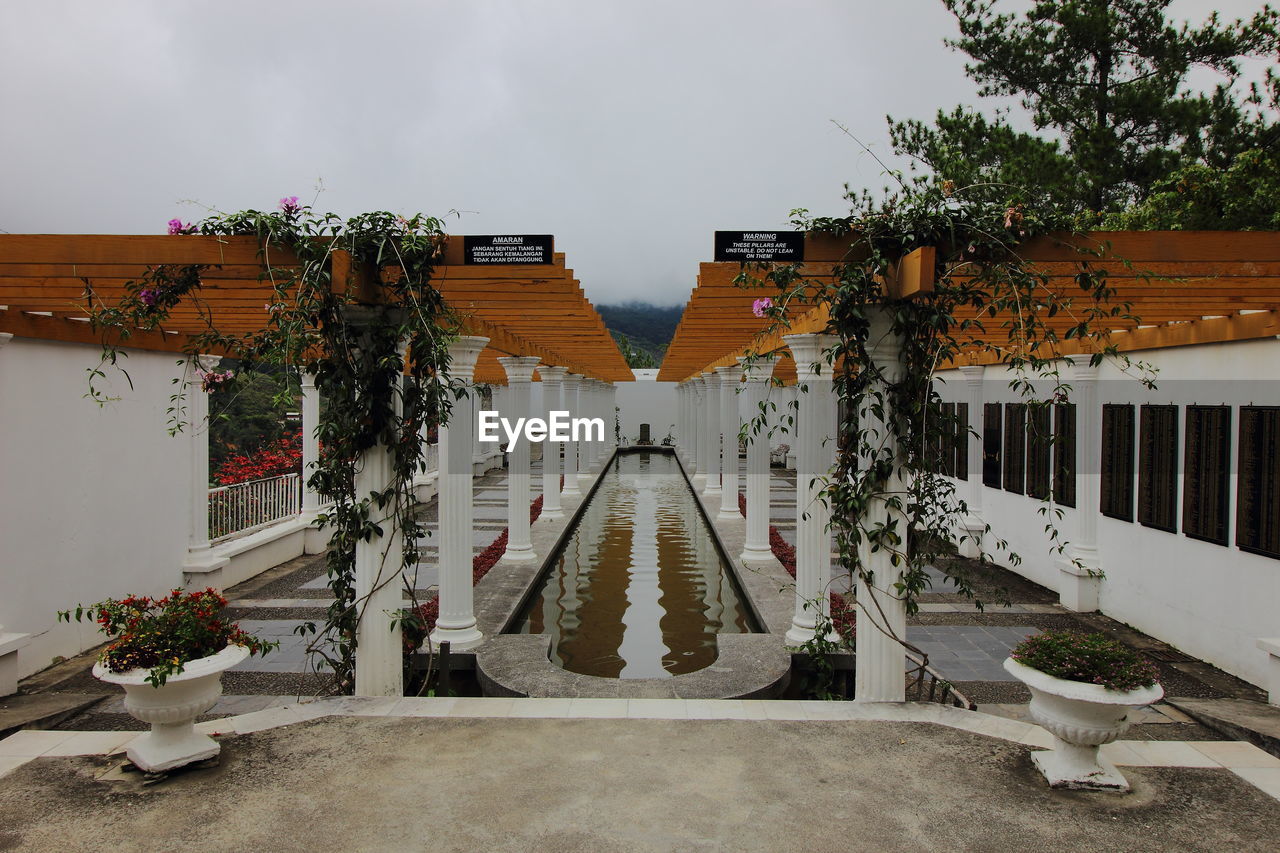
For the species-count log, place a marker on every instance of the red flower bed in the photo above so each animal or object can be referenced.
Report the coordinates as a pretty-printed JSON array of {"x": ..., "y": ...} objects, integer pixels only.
[{"x": 281, "y": 457}]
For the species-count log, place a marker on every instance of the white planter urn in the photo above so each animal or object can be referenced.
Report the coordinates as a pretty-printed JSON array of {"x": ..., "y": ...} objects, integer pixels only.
[
  {"x": 172, "y": 709},
  {"x": 1081, "y": 717}
]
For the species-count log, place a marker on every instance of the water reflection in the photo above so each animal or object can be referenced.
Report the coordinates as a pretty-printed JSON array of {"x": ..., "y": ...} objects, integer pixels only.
[{"x": 639, "y": 591}]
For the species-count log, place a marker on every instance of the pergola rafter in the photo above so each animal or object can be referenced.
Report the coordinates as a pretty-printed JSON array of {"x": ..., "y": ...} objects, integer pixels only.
[
  {"x": 1182, "y": 287},
  {"x": 527, "y": 309}
]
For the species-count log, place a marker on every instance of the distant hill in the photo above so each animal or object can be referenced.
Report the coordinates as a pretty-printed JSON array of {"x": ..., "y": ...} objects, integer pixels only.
[{"x": 648, "y": 328}]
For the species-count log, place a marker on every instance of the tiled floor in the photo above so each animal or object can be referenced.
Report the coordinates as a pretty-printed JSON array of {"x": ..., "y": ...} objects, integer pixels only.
[{"x": 969, "y": 652}]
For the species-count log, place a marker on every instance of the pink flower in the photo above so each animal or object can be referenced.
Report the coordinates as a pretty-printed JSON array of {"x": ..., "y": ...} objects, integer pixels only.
[
  {"x": 149, "y": 296},
  {"x": 289, "y": 205},
  {"x": 177, "y": 226},
  {"x": 760, "y": 306}
]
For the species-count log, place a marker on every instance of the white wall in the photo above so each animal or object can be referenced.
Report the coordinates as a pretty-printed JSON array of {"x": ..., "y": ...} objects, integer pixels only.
[
  {"x": 1211, "y": 601},
  {"x": 93, "y": 501}
]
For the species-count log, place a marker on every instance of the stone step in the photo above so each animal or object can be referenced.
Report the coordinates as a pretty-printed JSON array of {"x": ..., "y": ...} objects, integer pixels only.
[
  {"x": 1240, "y": 719},
  {"x": 42, "y": 710}
]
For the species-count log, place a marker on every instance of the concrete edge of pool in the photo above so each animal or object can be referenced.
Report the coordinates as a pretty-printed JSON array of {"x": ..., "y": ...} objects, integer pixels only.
[{"x": 756, "y": 665}]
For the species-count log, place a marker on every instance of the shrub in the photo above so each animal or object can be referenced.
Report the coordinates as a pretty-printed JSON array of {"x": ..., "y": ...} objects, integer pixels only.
[
  {"x": 1090, "y": 658},
  {"x": 283, "y": 456}
]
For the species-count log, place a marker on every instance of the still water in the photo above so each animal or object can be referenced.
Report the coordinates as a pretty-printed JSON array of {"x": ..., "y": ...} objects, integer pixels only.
[{"x": 640, "y": 590}]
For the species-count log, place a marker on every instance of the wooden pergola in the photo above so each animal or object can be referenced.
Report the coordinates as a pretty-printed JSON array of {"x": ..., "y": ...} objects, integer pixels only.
[
  {"x": 1185, "y": 287},
  {"x": 47, "y": 280}
]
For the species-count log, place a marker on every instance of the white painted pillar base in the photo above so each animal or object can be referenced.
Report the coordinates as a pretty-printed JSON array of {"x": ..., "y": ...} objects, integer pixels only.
[
  {"x": 1078, "y": 589},
  {"x": 519, "y": 374},
  {"x": 10, "y": 644},
  {"x": 457, "y": 621},
  {"x": 1271, "y": 645}
]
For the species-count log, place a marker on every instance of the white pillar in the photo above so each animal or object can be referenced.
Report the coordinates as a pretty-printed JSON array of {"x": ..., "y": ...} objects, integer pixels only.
[
  {"x": 519, "y": 374},
  {"x": 681, "y": 439},
  {"x": 730, "y": 424},
  {"x": 315, "y": 539},
  {"x": 698, "y": 427},
  {"x": 589, "y": 402},
  {"x": 973, "y": 523},
  {"x": 571, "y": 489},
  {"x": 881, "y": 612},
  {"x": 378, "y": 579},
  {"x": 201, "y": 568},
  {"x": 756, "y": 548},
  {"x": 1080, "y": 575},
  {"x": 612, "y": 420},
  {"x": 815, "y": 423},
  {"x": 711, "y": 417},
  {"x": 551, "y": 377},
  {"x": 457, "y": 621}
]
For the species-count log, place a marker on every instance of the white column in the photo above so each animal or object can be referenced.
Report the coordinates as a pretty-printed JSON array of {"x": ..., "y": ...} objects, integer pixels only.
[
  {"x": 711, "y": 417},
  {"x": 697, "y": 428},
  {"x": 315, "y": 539},
  {"x": 201, "y": 568},
  {"x": 972, "y": 490},
  {"x": 584, "y": 445},
  {"x": 681, "y": 390},
  {"x": 551, "y": 377},
  {"x": 815, "y": 422},
  {"x": 756, "y": 548},
  {"x": 613, "y": 420},
  {"x": 589, "y": 402},
  {"x": 457, "y": 621},
  {"x": 1080, "y": 575},
  {"x": 519, "y": 375},
  {"x": 571, "y": 489},
  {"x": 378, "y": 583},
  {"x": 730, "y": 424},
  {"x": 881, "y": 613}
]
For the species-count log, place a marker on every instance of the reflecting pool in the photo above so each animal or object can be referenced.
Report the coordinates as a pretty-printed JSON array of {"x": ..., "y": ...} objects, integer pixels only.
[{"x": 640, "y": 590}]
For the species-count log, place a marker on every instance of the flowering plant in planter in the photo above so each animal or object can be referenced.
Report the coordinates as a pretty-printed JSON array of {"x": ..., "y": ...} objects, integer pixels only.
[
  {"x": 1088, "y": 658},
  {"x": 162, "y": 635}
]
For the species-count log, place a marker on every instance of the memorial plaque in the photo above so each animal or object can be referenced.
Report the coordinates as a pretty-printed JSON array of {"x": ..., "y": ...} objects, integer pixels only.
[
  {"x": 508, "y": 248},
  {"x": 752, "y": 246}
]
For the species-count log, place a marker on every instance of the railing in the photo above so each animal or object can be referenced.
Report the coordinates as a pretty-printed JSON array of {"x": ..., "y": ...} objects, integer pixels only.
[{"x": 246, "y": 507}]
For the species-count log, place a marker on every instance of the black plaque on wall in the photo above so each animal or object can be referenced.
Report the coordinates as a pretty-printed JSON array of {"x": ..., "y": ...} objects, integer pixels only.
[
  {"x": 508, "y": 248},
  {"x": 746, "y": 246}
]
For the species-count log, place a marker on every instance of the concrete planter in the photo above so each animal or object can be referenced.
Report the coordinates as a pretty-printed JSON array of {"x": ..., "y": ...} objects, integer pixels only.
[
  {"x": 172, "y": 709},
  {"x": 1081, "y": 717}
]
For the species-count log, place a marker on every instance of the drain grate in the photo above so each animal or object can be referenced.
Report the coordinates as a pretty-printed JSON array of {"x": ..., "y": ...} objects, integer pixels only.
[{"x": 1169, "y": 656}]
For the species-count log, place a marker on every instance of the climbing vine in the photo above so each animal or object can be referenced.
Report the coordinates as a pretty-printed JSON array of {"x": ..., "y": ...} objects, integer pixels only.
[
  {"x": 378, "y": 353},
  {"x": 886, "y": 492}
]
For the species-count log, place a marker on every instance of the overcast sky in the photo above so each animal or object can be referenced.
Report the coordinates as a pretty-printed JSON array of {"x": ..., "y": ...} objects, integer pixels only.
[{"x": 629, "y": 130}]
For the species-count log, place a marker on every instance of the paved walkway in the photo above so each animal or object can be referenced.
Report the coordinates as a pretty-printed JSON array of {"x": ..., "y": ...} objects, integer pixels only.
[{"x": 628, "y": 775}]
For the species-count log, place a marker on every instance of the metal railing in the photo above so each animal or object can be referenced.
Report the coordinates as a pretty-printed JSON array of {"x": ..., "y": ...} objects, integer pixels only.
[{"x": 246, "y": 507}]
